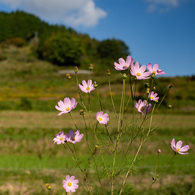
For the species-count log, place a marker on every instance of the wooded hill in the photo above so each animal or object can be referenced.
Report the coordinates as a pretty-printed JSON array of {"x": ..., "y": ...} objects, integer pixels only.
[{"x": 57, "y": 43}]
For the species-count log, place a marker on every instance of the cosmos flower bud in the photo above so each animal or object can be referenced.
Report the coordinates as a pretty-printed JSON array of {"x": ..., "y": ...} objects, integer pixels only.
[
  {"x": 148, "y": 90},
  {"x": 154, "y": 88},
  {"x": 90, "y": 66},
  {"x": 169, "y": 106},
  {"x": 82, "y": 112},
  {"x": 68, "y": 76},
  {"x": 75, "y": 69},
  {"x": 108, "y": 72},
  {"x": 48, "y": 186},
  {"x": 124, "y": 76},
  {"x": 95, "y": 84},
  {"x": 170, "y": 86},
  {"x": 159, "y": 151},
  {"x": 146, "y": 85}
]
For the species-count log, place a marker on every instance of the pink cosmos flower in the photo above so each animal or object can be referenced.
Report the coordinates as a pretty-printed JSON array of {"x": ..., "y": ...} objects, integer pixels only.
[
  {"x": 86, "y": 87},
  {"x": 102, "y": 118},
  {"x": 139, "y": 72},
  {"x": 60, "y": 138},
  {"x": 66, "y": 106},
  {"x": 155, "y": 71},
  {"x": 74, "y": 137},
  {"x": 70, "y": 184},
  {"x": 123, "y": 65},
  {"x": 153, "y": 96},
  {"x": 143, "y": 107},
  {"x": 178, "y": 149}
]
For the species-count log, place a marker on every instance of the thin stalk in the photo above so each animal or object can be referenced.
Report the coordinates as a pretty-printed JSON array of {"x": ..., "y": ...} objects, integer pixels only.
[
  {"x": 127, "y": 174},
  {"x": 151, "y": 117},
  {"x": 73, "y": 120},
  {"x": 162, "y": 98},
  {"x": 85, "y": 128},
  {"x": 129, "y": 146},
  {"x": 141, "y": 143},
  {"x": 111, "y": 96},
  {"x": 79, "y": 92},
  {"x": 99, "y": 99},
  {"x": 131, "y": 94},
  {"x": 98, "y": 175},
  {"x": 120, "y": 123},
  {"x": 110, "y": 139},
  {"x": 160, "y": 121},
  {"x": 75, "y": 160},
  {"x": 161, "y": 173},
  {"x": 94, "y": 132}
]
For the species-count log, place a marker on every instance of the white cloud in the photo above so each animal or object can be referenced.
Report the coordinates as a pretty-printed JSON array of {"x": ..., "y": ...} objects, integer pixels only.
[
  {"x": 71, "y": 12},
  {"x": 162, "y": 5}
]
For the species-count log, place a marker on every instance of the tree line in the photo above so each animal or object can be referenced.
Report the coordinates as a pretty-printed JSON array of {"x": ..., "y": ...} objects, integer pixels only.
[{"x": 57, "y": 43}]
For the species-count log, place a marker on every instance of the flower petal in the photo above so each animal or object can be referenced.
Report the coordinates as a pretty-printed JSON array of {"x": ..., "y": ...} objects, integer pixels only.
[
  {"x": 179, "y": 144},
  {"x": 184, "y": 148},
  {"x": 149, "y": 67},
  {"x": 128, "y": 60},
  {"x": 155, "y": 67},
  {"x": 84, "y": 83},
  {"x": 121, "y": 61},
  {"x": 173, "y": 143}
]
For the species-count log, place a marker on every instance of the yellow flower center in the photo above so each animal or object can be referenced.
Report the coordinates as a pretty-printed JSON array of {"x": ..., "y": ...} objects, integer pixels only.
[
  {"x": 67, "y": 109},
  {"x": 154, "y": 72},
  {"x": 100, "y": 119},
  {"x": 61, "y": 138},
  {"x": 69, "y": 184},
  {"x": 138, "y": 74},
  {"x": 125, "y": 65},
  {"x": 142, "y": 108},
  {"x": 151, "y": 97},
  {"x": 177, "y": 149},
  {"x": 73, "y": 139},
  {"x": 87, "y": 88}
]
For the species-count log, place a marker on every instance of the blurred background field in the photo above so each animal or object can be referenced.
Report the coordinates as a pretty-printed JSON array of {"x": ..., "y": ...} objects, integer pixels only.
[{"x": 31, "y": 86}]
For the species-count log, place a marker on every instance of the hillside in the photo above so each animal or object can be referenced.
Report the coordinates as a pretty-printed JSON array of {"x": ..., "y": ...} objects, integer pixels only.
[{"x": 56, "y": 43}]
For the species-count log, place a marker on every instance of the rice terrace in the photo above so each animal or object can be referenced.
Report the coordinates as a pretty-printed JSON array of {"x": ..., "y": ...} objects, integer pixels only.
[{"x": 97, "y": 126}]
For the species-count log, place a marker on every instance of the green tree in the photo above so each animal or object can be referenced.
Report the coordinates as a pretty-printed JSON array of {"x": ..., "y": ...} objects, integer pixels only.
[
  {"x": 112, "y": 49},
  {"x": 63, "y": 49}
]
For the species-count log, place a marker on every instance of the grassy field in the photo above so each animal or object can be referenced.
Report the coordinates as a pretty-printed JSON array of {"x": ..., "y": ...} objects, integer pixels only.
[
  {"x": 29, "y": 91},
  {"x": 29, "y": 158}
]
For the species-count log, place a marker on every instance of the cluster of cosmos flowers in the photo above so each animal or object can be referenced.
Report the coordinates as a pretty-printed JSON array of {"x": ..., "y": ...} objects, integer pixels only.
[
  {"x": 142, "y": 106},
  {"x": 140, "y": 73}
]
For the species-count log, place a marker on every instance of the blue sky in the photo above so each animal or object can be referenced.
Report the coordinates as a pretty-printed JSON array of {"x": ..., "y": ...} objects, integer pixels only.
[{"x": 156, "y": 31}]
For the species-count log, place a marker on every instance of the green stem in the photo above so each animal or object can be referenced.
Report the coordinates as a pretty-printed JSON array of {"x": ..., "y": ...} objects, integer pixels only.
[
  {"x": 75, "y": 160},
  {"x": 99, "y": 100},
  {"x": 120, "y": 124},
  {"x": 155, "y": 178},
  {"x": 127, "y": 174},
  {"x": 111, "y": 96},
  {"x": 73, "y": 120},
  {"x": 98, "y": 175},
  {"x": 85, "y": 128},
  {"x": 97, "y": 141},
  {"x": 162, "y": 98}
]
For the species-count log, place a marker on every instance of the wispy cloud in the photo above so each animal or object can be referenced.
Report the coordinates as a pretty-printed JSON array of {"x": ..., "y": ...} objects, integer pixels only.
[
  {"x": 162, "y": 5},
  {"x": 71, "y": 12}
]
